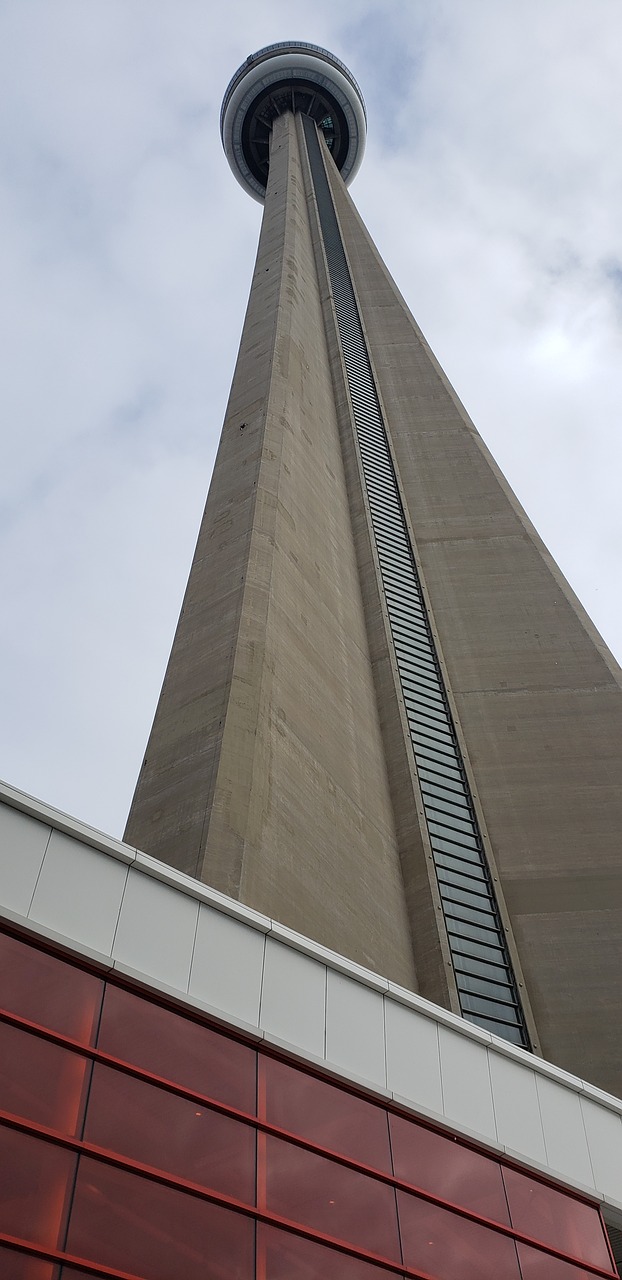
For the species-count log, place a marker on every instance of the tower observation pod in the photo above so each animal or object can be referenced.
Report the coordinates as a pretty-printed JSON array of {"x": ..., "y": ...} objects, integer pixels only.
[
  {"x": 386, "y": 722},
  {"x": 298, "y": 77}
]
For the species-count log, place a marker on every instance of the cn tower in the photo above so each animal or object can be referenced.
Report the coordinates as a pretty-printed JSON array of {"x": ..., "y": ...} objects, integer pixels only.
[
  {"x": 345, "y": 1003},
  {"x": 385, "y": 720}
]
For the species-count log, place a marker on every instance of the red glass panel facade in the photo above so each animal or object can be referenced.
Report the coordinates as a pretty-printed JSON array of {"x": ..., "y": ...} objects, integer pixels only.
[
  {"x": 443, "y": 1244},
  {"x": 157, "y": 1146},
  {"x": 170, "y": 1133},
  {"x": 177, "y": 1049},
  {"x": 438, "y": 1163},
  {"x": 331, "y": 1198},
  {"x": 534, "y": 1266},
  {"x": 140, "y": 1226},
  {"x": 19, "y": 1266},
  {"x": 284, "y": 1256},
  {"x": 49, "y": 991},
  {"x": 324, "y": 1113},
  {"x": 41, "y": 1081},
  {"x": 35, "y": 1182},
  {"x": 555, "y": 1218}
]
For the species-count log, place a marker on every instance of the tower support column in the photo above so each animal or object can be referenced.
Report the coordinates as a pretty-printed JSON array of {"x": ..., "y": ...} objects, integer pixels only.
[{"x": 265, "y": 773}]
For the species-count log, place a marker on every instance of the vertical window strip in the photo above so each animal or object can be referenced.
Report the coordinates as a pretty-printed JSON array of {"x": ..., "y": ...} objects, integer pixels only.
[{"x": 408, "y": 619}]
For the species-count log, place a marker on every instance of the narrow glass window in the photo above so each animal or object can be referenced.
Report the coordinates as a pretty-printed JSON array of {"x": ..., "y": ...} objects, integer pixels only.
[
  {"x": 469, "y": 963},
  {"x": 473, "y": 925},
  {"x": 506, "y": 1030},
  {"x": 430, "y": 723},
  {"x": 450, "y": 781},
  {"x": 490, "y": 1008},
  {"x": 443, "y": 837},
  {"x": 484, "y": 987},
  {"x": 449, "y": 801},
  {"x": 442, "y": 816},
  {"x": 483, "y": 942},
  {"x": 456, "y": 888},
  {"x": 470, "y": 871}
]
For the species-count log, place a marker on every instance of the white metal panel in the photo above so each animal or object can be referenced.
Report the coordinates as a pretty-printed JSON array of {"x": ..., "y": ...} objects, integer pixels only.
[
  {"x": 564, "y": 1133},
  {"x": 23, "y": 842},
  {"x": 603, "y": 1131},
  {"x": 517, "y": 1111},
  {"x": 293, "y": 998},
  {"x": 156, "y": 930},
  {"x": 227, "y": 965},
  {"x": 467, "y": 1090},
  {"x": 79, "y": 892},
  {"x": 413, "y": 1058},
  {"x": 355, "y": 1028}
]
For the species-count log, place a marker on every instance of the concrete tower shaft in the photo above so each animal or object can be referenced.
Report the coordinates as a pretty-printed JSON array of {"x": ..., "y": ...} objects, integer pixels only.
[
  {"x": 386, "y": 721},
  {"x": 265, "y": 772}
]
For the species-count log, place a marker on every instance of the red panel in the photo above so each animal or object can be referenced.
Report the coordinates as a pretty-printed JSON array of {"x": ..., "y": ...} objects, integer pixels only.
[
  {"x": 47, "y": 990},
  {"x": 450, "y": 1247},
  {"x": 69, "y": 1272},
  {"x": 72, "y": 1273},
  {"x": 535, "y": 1265},
  {"x": 556, "y": 1218},
  {"x": 282, "y": 1256},
  {"x": 170, "y": 1133},
  {"x": 40, "y": 1081},
  {"x": 128, "y": 1222},
  {"x": 442, "y": 1166},
  {"x": 18, "y": 1266},
  {"x": 325, "y": 1114},
  {"x": 34, "y": 1180},
  {"x": 329, "y": 1197},
  {"x": 178, "y": 1049}
]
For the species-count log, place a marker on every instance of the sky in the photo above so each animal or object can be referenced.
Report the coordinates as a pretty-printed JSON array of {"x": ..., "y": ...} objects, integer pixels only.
[{"x": 492, "y": 185}]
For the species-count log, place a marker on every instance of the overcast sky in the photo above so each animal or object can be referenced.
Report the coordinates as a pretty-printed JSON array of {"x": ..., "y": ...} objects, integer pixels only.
[{"x": 492, "y": 185}]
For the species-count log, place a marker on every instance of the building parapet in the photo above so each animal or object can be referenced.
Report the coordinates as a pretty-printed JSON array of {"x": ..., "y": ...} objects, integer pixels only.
[{"x": 91, "y": 895}]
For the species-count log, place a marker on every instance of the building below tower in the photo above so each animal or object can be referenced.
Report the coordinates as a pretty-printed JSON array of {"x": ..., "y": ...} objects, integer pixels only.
[{"x": 189, "y": 1089}]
